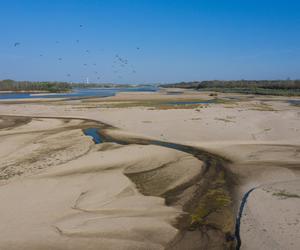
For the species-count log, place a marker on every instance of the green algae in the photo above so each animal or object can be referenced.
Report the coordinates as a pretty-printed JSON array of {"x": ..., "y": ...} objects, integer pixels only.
[{"x": 213, "y": 205}]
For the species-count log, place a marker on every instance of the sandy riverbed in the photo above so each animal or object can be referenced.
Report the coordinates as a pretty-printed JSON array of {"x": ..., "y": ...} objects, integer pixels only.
[{"x": 80, "y": 195}]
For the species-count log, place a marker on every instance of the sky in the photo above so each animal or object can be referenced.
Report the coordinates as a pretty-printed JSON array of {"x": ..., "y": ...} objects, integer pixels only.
[{"x": 149, "y": 41}]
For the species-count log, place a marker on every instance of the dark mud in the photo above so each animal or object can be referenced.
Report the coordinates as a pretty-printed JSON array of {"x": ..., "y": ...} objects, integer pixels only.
[
  {"x": 208, "y": 222},
  {"x": 10, "y": 122}
]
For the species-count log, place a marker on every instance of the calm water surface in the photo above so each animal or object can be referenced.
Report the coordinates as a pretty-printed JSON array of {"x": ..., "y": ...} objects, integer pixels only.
[
  {"x": 93, "y": 132},
  {"x": 78, "y": 93}
]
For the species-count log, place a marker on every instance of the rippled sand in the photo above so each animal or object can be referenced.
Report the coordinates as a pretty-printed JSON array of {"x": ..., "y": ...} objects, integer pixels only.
[{"x": 61, "y": 191}]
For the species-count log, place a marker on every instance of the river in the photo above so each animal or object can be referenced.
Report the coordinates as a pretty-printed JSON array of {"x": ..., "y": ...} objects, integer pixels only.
[{"x": 77, "y": 93}]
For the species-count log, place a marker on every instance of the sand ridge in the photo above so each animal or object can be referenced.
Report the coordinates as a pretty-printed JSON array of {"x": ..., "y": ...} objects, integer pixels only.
[{"x": 85, "y": 198}]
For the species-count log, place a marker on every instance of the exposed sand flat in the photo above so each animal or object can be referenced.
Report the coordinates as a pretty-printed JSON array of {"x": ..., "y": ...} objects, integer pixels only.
[
  {"x": 239, "y": 121},
  {"x": 39, "y": 144},
  {"x": 87, "y": 202},
  {"x": 272, "y": 218},
  {"x": 260, "y": 135}
]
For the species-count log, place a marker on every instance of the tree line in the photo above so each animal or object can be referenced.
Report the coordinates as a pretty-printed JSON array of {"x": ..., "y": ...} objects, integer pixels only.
[
  {"x": 11, "y": 85},
  {"x": 268, "y": 84},
  {"x": 262, "y": 87}
]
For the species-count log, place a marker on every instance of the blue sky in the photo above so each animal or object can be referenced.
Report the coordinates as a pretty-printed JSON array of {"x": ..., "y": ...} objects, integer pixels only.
[{"x": 155, "y": 40}]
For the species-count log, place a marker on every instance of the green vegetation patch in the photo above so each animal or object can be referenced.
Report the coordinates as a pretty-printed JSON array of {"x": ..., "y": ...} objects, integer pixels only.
[
  {"x": 285, "y": 195},
  {"x": 213, "y": 200},
  {"x": 214, "y": 207},
  {"x": 157, "y": 104},
  {"x": 262, "y": 107}
]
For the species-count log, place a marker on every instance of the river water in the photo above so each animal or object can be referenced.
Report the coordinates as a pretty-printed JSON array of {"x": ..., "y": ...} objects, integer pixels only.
[{"x": 78, "y": 93}]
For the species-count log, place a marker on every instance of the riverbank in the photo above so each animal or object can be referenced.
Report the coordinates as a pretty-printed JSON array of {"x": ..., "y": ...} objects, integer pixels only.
[{"x": 260, "y": 136}]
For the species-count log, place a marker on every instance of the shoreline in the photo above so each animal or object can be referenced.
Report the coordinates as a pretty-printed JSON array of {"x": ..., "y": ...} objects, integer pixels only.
[{"x": 266, "y": 159}]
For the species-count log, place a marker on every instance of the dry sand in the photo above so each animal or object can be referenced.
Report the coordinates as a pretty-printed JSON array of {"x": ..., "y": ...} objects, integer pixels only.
[{"x": 63, "y": 192}]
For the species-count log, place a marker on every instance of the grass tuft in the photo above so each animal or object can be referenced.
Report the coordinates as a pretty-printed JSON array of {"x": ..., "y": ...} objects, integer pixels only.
[
  {"x": 284, "y": 194},
  {"x": 215, "y": 202}
]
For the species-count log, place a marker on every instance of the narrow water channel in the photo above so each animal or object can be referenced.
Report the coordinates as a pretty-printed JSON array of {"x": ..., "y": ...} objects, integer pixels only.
[
  {"x": 93, "y": 132},
  {"x": 239, "y": 218},
  {"x": 213, "y": 166}
]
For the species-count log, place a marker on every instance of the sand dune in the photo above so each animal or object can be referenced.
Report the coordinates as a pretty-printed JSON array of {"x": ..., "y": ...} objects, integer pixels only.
[{"x": 87, "y": 201}]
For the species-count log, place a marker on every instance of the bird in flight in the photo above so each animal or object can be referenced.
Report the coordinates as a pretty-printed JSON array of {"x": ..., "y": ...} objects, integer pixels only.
[{"x": 16, "y": 44}]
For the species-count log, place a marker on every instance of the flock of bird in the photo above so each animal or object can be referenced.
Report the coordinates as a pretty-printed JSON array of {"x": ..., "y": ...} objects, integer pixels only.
[{"x": 118, "y": 61}]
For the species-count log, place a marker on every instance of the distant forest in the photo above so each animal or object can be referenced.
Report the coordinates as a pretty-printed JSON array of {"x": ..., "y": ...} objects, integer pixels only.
[
  {"x": 263, "y": 87},
  {"x": 11, "y": 85}
]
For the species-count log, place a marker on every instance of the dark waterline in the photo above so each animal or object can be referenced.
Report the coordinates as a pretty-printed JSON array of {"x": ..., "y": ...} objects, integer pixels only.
[
  {"x": 78, "y": 93},
  {"x": 239, "y": 217},
  {"x": 294, "y": 102},
  {"x": 191, "y": 102},
  {"x": 175, "y": 93},
  {"x": 93, "y": 132}
]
